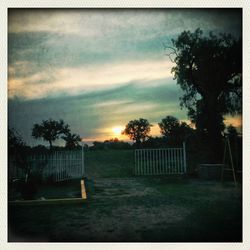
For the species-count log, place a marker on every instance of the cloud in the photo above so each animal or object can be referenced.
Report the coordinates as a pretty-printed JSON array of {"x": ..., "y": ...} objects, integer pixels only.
[
  {"x": 135, "y": 109},
  {"x": 52, "y": 51},
  {"x": 88, "y": 23},
  {"x": 98, "y": 68},
  {"x": 112, "y": 103},
  {"x": 77, "y": 80},
  {"x": 94, "y": 23},
  {"x": 90, "y": 113},
  {"x": 58, "y": 41},
  {"x": 74, "y": 37}
]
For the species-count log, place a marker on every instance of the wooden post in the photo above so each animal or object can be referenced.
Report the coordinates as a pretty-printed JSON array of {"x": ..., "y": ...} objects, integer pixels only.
[
  {"x": 227, "y": 145},
  {"x": 83, "y": 191},
  {"x": 184, "y": 157},
  {"x": 135, "y": 170},
  {"x": 223, "y": 160},
  {"x": 83, "y": 169},
  {"x": 232, "y": 164}
]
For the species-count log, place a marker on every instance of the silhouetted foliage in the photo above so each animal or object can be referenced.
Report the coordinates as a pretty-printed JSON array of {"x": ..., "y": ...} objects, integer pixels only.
[
  {"x": 50, "y": 130},
  {"x": 97, "y": 145},
  {"x": 39, "y": 149},
  {"x": 113, "y": 143},
  {"x": 209, "y": 71},
  {"x": 137, "y": 130},
  {"x": 18, "y": 149},
  {"x": 15, "y": 141},
  {"x": 72, "y": 140},
  {"x": 169, "y": 125},
  {"x": 155, "y": 142},
  {"x": 176, "y": 132}
]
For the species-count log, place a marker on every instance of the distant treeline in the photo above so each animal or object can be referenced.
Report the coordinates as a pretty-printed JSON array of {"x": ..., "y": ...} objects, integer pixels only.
[{"x": 197, "y": 149}]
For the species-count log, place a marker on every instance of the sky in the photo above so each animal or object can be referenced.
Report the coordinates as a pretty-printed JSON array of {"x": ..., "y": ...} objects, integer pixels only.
[{"x": 98, "y": 69}]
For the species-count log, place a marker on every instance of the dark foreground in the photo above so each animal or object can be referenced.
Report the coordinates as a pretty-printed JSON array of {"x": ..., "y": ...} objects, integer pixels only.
[{"x": 135, "y": 210}]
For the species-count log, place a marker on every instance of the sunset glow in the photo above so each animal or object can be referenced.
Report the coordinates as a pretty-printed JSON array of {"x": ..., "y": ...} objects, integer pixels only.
[
  {"x": 117, "y": 131},
  {"x": 98, "y": 70}
]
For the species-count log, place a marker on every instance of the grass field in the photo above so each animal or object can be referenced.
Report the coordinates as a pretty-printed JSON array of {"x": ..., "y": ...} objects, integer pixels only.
[
  {"x": 109, "y": 163},
  {"x": 124, "y": 208}
]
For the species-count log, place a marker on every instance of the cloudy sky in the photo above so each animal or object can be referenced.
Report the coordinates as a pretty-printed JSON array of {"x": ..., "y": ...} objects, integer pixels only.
[{"x": 99, "y": 69}]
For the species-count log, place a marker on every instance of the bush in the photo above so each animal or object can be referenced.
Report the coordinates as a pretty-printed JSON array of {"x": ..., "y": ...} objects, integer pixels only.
[
  {"x": 30, "y": 187},
  {"x": 29, "y": 190}
]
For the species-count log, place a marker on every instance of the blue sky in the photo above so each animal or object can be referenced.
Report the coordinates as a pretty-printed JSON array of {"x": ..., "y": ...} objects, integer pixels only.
[{"x": 98, "y": 69}]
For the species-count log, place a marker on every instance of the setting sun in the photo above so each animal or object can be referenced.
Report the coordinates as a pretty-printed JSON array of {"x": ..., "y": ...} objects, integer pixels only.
[{"x": 117, "y": 130}]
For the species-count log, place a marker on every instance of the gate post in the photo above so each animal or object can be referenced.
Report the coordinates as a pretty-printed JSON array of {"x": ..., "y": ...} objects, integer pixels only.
[
  {"x": 184, "y": 158},
  {"x": 83, "y": 169}
]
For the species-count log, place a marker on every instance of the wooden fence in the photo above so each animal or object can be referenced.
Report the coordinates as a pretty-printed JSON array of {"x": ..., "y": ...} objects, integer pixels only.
[
  {"x": 161, "y": 161},
  {"x": 58, "y": 165}
]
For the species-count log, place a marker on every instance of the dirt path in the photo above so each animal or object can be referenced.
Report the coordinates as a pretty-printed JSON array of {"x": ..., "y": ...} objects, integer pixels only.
[{"x": 126, "y": 187}]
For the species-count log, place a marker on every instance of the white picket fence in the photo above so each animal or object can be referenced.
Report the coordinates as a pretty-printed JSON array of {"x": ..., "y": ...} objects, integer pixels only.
[
  {"x": 162, "y": 161},
  {"x": 58, "y": 165}
]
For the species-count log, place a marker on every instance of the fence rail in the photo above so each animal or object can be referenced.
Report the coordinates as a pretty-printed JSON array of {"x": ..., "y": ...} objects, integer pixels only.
[
  {"x": 58, "y": 165},
  {"x": 160, "y": 161}
]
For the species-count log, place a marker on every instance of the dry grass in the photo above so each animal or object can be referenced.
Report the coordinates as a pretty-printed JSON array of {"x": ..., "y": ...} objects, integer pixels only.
[{"x": 136, "y": 209}]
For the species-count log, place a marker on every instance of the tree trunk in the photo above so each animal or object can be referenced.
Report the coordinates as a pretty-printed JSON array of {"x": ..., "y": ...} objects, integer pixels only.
[
  {"x": 138, "y": 143},
  {"x": 50, "y": 145},
  {"x": 214, "y": 127}
]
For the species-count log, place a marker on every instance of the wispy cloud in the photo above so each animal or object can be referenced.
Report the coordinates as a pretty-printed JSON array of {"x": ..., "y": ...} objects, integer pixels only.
[
  {"x": 90, "y": 113},
  {"x": 96, "y": 23},
  {"x": 98, "y": 68},
  {"x": 112, "y": 103},
  {"x": 76, "y": 80},
  {"x": 65, "y": 38}
]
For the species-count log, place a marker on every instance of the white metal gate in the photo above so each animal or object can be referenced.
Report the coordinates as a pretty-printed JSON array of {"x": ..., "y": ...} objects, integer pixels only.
[
  {"x": 57, "y": 165},
  {"x": 161, "y": 161}
]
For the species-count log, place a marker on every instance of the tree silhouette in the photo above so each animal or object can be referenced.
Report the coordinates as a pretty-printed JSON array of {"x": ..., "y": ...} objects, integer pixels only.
[
  {"x": 209, "y": 71},
  {"x": 169, "y": 125},
  {"x": 18, "y": 150},
  {"x": 15, "y": 141},
  {"x": 175, "y": 131},
  {"x": 50, "y": 130},
  {"x": 137, "y": 130},
  {"x": 72, "y": 140}
]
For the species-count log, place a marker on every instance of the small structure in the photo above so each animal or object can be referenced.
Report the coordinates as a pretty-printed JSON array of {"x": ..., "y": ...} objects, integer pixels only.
[{"x": 210, "y": 171}]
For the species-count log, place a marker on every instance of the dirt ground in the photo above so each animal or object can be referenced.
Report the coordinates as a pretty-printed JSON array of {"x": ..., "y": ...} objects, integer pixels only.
[{"x": 136, "y": 210}]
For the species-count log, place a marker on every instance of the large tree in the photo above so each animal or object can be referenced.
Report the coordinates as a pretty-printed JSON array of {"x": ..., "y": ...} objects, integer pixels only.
[
  {"x": 137, "y": 130},
  {"x": 50, "y": 130},
  {"x": 175, "y": 131},
  {"x": 169, "y": 125},
  {"x": 72, "y": 140},
  {"x": 209, "y": 71}
]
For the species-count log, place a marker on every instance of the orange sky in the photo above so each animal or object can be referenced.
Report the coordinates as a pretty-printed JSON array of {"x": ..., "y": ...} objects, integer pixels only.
[{"x": 113, "y": 132}]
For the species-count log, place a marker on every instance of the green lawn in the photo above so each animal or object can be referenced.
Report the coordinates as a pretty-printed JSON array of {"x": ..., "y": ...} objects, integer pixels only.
[
  {"x": 124, "y": 208},
  {"x": 109, "y": 163}
]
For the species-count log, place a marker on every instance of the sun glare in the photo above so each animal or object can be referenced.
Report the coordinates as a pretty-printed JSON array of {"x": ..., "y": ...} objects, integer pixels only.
[{"x": 117, "y": 130}]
